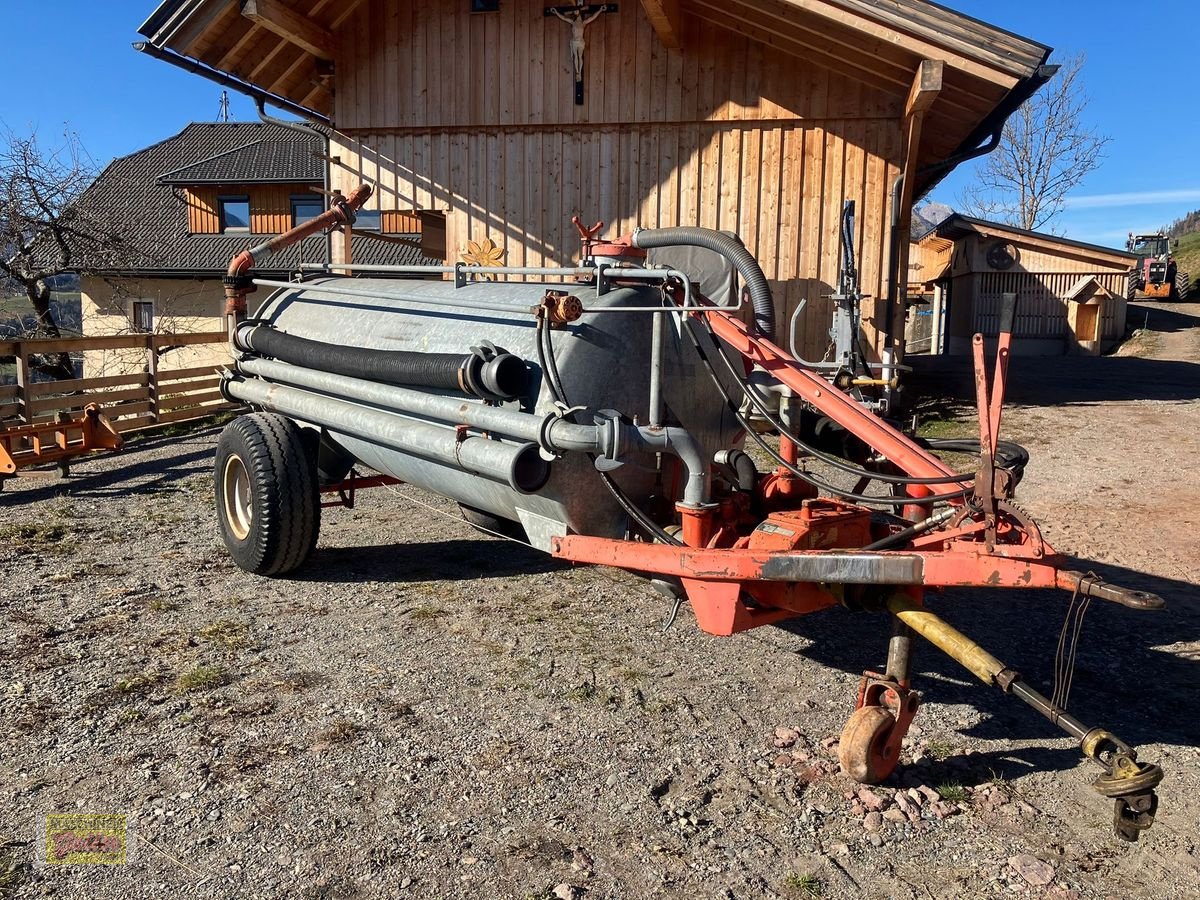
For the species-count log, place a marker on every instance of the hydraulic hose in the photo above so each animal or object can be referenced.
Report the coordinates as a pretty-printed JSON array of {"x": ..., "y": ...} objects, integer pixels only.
[
  {"x": 492, "y": 375},
  {"x": 730, "y": 248}
]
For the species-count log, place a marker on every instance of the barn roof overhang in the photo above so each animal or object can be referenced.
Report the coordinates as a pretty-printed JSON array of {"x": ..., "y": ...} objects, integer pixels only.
[
  {"x": 286, "y": 48},
  {"x": 959, "y": 226}
]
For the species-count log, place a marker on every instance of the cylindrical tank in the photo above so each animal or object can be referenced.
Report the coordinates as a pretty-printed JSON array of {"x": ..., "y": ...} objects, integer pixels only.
[{"x": 604, "y": 361}]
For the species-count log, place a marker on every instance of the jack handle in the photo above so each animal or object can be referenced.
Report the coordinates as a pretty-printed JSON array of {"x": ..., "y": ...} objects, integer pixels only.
[{"x": 1129, "y": 783}]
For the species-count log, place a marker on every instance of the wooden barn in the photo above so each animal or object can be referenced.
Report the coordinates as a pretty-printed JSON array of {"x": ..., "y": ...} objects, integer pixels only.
[
  {"x": 502, "y": 120},
  {"x": 1071, "y": 296}
]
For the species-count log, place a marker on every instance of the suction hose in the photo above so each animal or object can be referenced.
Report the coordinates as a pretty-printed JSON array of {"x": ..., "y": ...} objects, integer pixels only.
[
  {"x": 487, "y": 372},
  {"x": 730, "y": 248}
]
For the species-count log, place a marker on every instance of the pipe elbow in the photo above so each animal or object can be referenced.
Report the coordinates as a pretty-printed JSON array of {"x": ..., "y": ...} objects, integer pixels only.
[{"x": 241, "y": 264}]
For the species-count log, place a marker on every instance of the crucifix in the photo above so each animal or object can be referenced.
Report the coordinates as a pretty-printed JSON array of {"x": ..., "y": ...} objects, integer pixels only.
[{"x": 579, "y": 16}]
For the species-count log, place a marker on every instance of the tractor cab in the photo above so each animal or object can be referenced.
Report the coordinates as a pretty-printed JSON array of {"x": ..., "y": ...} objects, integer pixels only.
[{"x": 1148, "y": 245}]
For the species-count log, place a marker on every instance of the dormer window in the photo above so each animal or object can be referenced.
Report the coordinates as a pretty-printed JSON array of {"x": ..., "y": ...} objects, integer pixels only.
[
  {"x": 233, "y": 213},
  {"x": 368, "y": 220}
]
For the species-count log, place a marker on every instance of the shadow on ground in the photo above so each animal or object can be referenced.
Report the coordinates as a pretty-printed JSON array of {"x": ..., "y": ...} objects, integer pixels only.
[
  {"x": 449, "y": 560},
  {"x": 1128, "y": 678},
  {"x": 1059, "y": 380},
  {"x": 139, "y": 475}
]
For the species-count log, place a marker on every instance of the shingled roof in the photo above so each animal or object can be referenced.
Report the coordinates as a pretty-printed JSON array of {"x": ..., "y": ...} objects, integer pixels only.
[
  {"x": 139, "y": 192},
  {"x": 267, "y": 161}
]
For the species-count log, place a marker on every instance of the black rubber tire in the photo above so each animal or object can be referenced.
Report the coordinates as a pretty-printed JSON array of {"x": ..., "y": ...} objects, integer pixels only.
[
  {"x": 273, "y": 530},
  {"x": 488, "y": 523}
]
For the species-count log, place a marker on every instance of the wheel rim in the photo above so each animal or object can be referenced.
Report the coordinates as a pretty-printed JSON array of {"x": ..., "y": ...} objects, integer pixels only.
[
  {"x": 863, "y": 749},
  {"x": 235, "y": 496}
]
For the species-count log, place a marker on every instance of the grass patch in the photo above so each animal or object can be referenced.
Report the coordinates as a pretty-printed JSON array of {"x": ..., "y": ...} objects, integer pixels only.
[
  {"x": 939, "y": 750},
  {"x": 339, "y": 732},
  {"x": 584, "y": 693},
  {"x": 227, "y": 633},
  {"x": 426, "y": 613},
  {"x": 39, "y": 536},
  {"x": 946, "y": 428},
  {"x": 201, "y": 678},
  {"x": 952, "y": 792},
  {"x": 804, "y": 885}
]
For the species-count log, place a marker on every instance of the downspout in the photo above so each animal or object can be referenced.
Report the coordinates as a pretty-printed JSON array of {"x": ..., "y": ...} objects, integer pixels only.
[
  {"x": 304, "y": 128},
  {"x": 990, "y": 132},
  {"x": 897, "y": 217}
]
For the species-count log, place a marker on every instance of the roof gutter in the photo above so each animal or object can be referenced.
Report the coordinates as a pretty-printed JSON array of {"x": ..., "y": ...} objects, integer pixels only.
[
  {"x": 258, "y": 95},
  {"x": 986, "y": 136}
]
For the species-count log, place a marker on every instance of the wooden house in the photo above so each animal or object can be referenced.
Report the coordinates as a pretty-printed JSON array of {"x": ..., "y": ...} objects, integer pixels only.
[
  {"x": 502, "y": 121},
  {"x": 184, "y": 206},
  {"x": 1071, "y": 296}
]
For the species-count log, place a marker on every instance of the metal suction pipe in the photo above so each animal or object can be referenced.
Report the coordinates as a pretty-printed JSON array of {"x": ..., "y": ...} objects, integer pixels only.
[
  {"x": 561, "y": 435},
  {"x": 518, "y": 465}
]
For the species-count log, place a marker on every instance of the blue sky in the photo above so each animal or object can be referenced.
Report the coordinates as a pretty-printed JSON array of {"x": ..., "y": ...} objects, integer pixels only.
[{"x": 78, "y": 68}]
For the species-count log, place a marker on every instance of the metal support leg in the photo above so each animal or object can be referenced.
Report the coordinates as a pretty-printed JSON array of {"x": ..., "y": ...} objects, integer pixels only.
[{"x": 899, "y": 661}]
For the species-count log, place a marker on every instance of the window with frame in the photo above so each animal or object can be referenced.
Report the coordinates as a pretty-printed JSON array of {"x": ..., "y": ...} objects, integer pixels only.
[
  {"x": 143, "y": 316},
  {"x": 368, "y": 220},
  {"x": 233, "y": 213},
  {"x": 305, "y": 208}
]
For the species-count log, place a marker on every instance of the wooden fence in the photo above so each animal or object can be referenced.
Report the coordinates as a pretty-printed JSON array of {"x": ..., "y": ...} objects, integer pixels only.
[{"x": 137, "y": 400}]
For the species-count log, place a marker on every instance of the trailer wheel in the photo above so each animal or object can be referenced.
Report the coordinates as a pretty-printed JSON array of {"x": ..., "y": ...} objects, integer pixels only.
[
  {"x": 863, "y": 749},
  {"x": 268, "y": 505}
]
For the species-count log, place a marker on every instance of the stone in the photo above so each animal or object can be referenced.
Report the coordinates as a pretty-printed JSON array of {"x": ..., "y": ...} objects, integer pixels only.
[
  {"x": 566, "y": 891},
  {"x": 1031, "y": 869},
  {"x": 785, "y": 737},
  {"x": 895, "y": 815},
  {"x": 876, "y": 840},
  {"x": 871, "y": 800},
  {"x": 929, "y": 793},
  {"x": 873, "y": 821},
  {"x": 916, "y": 796}
]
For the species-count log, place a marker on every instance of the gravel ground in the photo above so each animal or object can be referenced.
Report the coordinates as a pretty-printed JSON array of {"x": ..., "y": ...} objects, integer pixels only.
[{"x": 427, "y": 712}]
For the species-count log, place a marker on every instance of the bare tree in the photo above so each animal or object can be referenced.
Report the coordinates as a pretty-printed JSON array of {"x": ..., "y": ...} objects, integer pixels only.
[
  {"x": 48, "y": 229},
  {"x": 1046, "y": 152}
]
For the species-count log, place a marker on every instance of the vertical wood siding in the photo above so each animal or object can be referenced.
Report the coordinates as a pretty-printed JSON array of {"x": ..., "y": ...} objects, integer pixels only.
[
  {"x": 434, "y": 65},
  {"x": 270, "y": 206},
  {"x": 474, "y": 116},
  {"x": 1041, "y": 302}
]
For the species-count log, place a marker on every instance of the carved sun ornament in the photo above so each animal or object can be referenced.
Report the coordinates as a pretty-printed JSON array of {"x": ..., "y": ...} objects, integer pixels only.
[{"x": 484, "y": 253}]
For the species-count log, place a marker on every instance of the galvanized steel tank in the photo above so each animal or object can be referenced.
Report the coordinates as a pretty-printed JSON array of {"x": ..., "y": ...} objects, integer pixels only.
[{"x": 604, "y": 361}]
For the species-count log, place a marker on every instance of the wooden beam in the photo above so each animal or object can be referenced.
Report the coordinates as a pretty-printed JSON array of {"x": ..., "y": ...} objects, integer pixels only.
[
  {"x": 665, "y": 17},
  {"x": 927, "y": 84},
  {"x": 925, "y": 87},
  {"x": 289, "y": 25}
]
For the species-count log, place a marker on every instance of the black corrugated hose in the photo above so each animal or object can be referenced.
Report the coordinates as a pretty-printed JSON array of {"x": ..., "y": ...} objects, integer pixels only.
[{"x": 733, "y": 250}]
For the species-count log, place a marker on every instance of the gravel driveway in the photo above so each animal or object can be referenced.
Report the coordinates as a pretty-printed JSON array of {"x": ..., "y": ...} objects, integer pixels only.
[{"x": 427, "y": 712}]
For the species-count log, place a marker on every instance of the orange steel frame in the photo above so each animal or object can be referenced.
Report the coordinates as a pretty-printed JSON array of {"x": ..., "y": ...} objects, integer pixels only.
[
  {"x": 46, "y": 442},
  {"x": 966, "y": 553}
]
